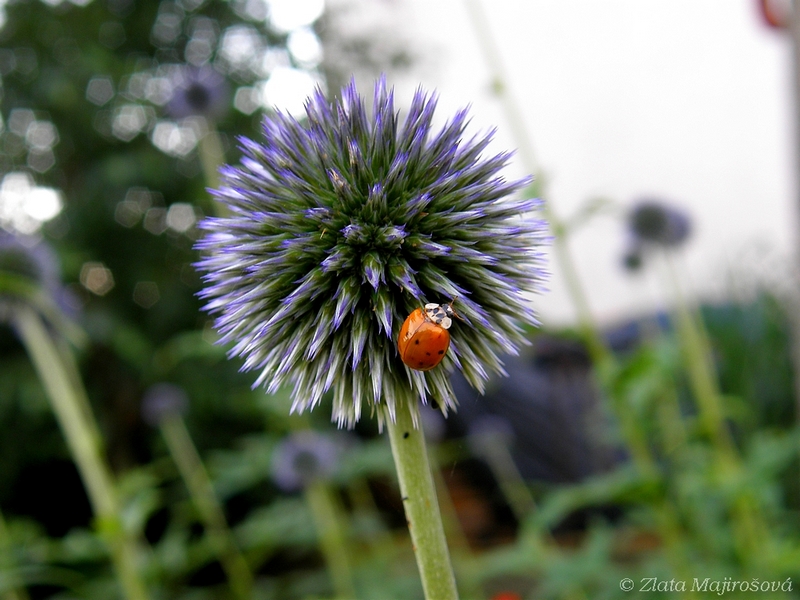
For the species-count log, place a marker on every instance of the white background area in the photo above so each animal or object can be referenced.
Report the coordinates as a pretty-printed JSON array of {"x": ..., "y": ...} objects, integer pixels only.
[{"x": 688, "y": 100}]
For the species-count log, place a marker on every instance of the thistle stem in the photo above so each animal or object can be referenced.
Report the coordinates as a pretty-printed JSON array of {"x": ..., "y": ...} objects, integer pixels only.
[
  {"x": 561, "y": 252},
  {"x": 330, "y": 528},
  {"x": 421, "y": 507},
  {"x": 196, "y": 478},
  {"x": 748, "y": 525},
  {"x": 69, "y": 402},
  {"x": 700, "y": 368}
]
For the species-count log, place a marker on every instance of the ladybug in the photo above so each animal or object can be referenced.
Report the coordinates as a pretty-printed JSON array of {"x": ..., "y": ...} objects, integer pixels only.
[{"x": 424, "y": 338}]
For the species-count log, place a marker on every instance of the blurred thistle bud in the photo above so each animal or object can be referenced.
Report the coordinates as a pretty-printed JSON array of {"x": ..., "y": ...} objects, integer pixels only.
[
  {"x": 632, "y": 259},
  {"x": 653, "y": 222},
  {"x": 162, "y": 401},
  {"x": 28, "y": 271},
  {"x": 302, "y": 458},
  {"x": 341, "y": 225},
  {"x": 198, "y": 91}
]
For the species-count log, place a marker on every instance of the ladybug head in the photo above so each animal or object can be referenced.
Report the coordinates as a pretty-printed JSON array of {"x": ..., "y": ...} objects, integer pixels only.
[
  {"x": 451, "y": 312},
  {"x": 442, "y": 315}
]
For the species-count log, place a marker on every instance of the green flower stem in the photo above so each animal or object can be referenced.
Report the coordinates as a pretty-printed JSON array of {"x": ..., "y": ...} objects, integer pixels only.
[
  {"x": 421, "y": 507},
  {"x": 14, "y": 587},
  {"x": 748, "y": 526},
  {"x": 211, "y": 156},
  {"x": 196, "y": 478},
  {"x": 514, "y": 115},
  {"x": 602, "y": 358},
  {"x": 505, "y": 471},
  {"x": 331, "y": 530},
  {"x": 70, "y": 405},
  {"x": 464, "y": 559},
  {"x": 698, "y": 362}
]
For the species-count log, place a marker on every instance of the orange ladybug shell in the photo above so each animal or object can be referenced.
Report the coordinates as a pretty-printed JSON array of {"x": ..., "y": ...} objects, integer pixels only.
[{"x": 422, "y": 342}]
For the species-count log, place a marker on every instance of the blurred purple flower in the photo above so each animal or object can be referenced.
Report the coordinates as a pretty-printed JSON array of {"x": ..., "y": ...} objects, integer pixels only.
[
  {"x": 163, "y": 400},
  {"x": 654, "y": 222},
  {"x": 28, "y": 269},
  {"x": 302, "y": 458},
  {"x": 198, "y": 91}
]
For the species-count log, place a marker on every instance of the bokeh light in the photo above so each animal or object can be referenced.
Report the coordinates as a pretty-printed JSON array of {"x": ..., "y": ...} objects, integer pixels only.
[
  {"x": 146, "y": 294},
  {"x": 24, "y": 206},
  {"x": 288, "y": 15},
  {"x": 181, "y": 216},
  {"x": 287, "y": 90},
  {"x": 97, "y": 278},
  {"x": 305, "y": 47}
]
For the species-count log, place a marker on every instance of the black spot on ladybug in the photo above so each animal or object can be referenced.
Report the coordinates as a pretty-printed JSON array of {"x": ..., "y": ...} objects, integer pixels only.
[
  {"x": 441, "y": 351},
  {"x": 405, "y": 435},
  {"x": 421, "y": 363},
  {"x": 427, "y": 354},
  {"x": 416, "y": 342}
]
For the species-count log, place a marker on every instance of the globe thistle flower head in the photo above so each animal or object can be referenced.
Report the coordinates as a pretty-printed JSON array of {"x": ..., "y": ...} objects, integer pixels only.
[
  {"x": 345, "y": 222},
  {"x": 653, "y": 222},
  {"x": 302, "y": 458},
  {"x": 198, "y": 91}
]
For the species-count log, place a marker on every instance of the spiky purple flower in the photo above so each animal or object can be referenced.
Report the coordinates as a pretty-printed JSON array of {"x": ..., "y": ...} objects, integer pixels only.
[{"x": 342, "y": 224}]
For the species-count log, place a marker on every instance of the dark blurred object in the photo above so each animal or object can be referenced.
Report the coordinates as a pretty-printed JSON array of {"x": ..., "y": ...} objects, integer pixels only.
[
  {"x": 552, "y": 407},
  {"x": 654, "y": 222},
  {"x": 632, "y": 259},
  {"x": 628, "y": 335}
]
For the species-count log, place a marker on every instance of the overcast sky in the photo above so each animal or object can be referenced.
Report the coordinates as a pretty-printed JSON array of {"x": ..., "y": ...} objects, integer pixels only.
[{"x": 689, "y": 100}]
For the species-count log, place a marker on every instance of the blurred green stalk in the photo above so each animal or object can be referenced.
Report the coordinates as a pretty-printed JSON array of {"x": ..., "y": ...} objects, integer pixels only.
[
  {"x": 201, "y": 490},
  {"x": 330, "y": 524},
  {"x": 464, "y": 562},
  {"x": 602, "y": 358},
  {"x": 516, "y": 122},
  {"x": 70, "y": 406},
  {"x": 748, "y": 525},
  {"x": 328, "y": 521},
  {"x": 211, "y": 156},
  {"x": 14, "y": 587},
  {"x": 698, "y": 362},
  {"x": 494, "y": 450},
  {"x": 421, "y": 506}
]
